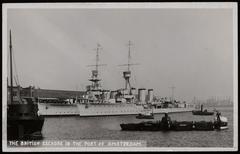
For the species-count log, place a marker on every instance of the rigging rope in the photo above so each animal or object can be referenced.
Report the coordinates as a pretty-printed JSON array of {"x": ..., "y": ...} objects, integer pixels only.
[
  {"x": 8, "y": 66},
  {"x": 14, "y": 61},
  {"x": 15, "y": 81}
]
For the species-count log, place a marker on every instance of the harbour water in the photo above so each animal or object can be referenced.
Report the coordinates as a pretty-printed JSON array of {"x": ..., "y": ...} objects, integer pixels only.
[{"x": 108, "y": 128}]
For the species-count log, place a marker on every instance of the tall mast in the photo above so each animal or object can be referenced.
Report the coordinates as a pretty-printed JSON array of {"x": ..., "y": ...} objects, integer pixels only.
[
  {"x": 11, "y": 79},
  {"x": 95, "y": 78},
  {"x": 129, "y": 54},
  {"x": 97, "y": 56},
  {"x": 127, "y": 74}
]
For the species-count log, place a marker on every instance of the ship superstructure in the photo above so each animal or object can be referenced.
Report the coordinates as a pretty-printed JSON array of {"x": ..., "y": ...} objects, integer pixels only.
[{"x": 94, "y": 91}]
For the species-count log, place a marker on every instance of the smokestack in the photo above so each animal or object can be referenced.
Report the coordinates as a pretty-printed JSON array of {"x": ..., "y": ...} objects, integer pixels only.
[
  {"x": 150, "y": 95},
  {"x": 141, "y": 95}
]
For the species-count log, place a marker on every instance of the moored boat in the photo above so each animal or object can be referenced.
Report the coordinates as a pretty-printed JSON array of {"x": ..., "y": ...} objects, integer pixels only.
[
  {"x": 205, "y": 112},
  {"x": 142, "y": 116},
  {"x": 22, "y": 112},
  {"x": 168, "y": 125},
  {"x": 148, "y": 114},
  {"x": 202, "y": 112}
]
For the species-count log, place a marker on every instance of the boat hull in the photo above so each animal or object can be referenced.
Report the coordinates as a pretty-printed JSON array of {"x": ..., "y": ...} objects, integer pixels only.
[
  {"x": 121, "y": 109},
  {"x": 56, "y": 109},
  {"x": 172, "y": 126},
  {"x": 23, "y": 121},
  {"x": 109, "y": 109},
  {"x": 23, "y": 129},
  {"x": 171, "y": 110},
  {"x": 223, "y": 128},
  {"x": 146, "y": 126},
  {"x": 202, "y": 113},
  {"x": 145, "y": 117}
]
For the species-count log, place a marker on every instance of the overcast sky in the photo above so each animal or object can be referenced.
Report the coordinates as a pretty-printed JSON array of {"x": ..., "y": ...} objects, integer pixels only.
[{"x": 191, "y": 49}]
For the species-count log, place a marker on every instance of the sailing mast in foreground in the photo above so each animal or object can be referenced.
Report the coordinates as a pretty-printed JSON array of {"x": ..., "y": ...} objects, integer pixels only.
[{"x": 23, "y": 121}]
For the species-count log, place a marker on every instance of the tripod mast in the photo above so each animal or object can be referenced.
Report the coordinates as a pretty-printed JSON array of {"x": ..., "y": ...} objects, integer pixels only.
[
  {"x": 127, "y": 74},
  {"x": 11, "y": 78},
  {"x": 95, "y": 72}
]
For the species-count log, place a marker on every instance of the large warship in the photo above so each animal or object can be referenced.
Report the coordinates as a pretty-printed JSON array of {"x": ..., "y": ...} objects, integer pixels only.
[
  {"x": 23, "y": 121},
  {"x": 96, "y": 101},
  {"x": 125, "y": 101}
]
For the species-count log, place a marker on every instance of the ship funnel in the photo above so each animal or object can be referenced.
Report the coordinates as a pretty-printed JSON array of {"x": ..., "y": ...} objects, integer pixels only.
[
  {"x": 141, "y": 95},
  {"x": 150, "y": 95}
]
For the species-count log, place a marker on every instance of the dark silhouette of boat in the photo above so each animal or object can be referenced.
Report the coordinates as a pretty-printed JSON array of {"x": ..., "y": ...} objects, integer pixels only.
[
  {"x": 220, "y": 123},
  {"x": 174, "y": 126},
  {"x": 23, "y": 121},
  {"x": 205, "y": 112},
  {"x": 202, "y": 112}
]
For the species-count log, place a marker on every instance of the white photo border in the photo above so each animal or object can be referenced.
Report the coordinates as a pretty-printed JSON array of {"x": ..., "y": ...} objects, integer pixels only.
[{"x": 182, "y": 5}]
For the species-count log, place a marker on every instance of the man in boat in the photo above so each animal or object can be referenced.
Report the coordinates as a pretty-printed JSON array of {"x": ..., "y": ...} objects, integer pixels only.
[
  {"x": 221, "y": 122},
  {"x": 217, "y": 120},
  {"x": 166, "y": 121}
]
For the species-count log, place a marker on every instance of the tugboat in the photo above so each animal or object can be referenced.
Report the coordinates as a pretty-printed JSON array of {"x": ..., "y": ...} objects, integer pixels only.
[
  {"x": 23, "y": 121},
  {"x": 201, "y": 112},
  {"x": 147, "y": 115}
]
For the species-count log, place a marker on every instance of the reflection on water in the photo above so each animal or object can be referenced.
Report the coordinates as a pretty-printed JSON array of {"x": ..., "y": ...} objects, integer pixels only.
[{"x": 108, "y": 128}]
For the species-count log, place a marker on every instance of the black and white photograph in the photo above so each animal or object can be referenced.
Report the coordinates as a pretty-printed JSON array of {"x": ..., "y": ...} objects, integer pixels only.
[{"x": 119, "y": 77}]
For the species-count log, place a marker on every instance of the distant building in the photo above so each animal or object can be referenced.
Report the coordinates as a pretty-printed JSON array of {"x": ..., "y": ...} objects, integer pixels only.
[
  {"x": 46, "y": 93},
  {"x": 30, "y": 91}
]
